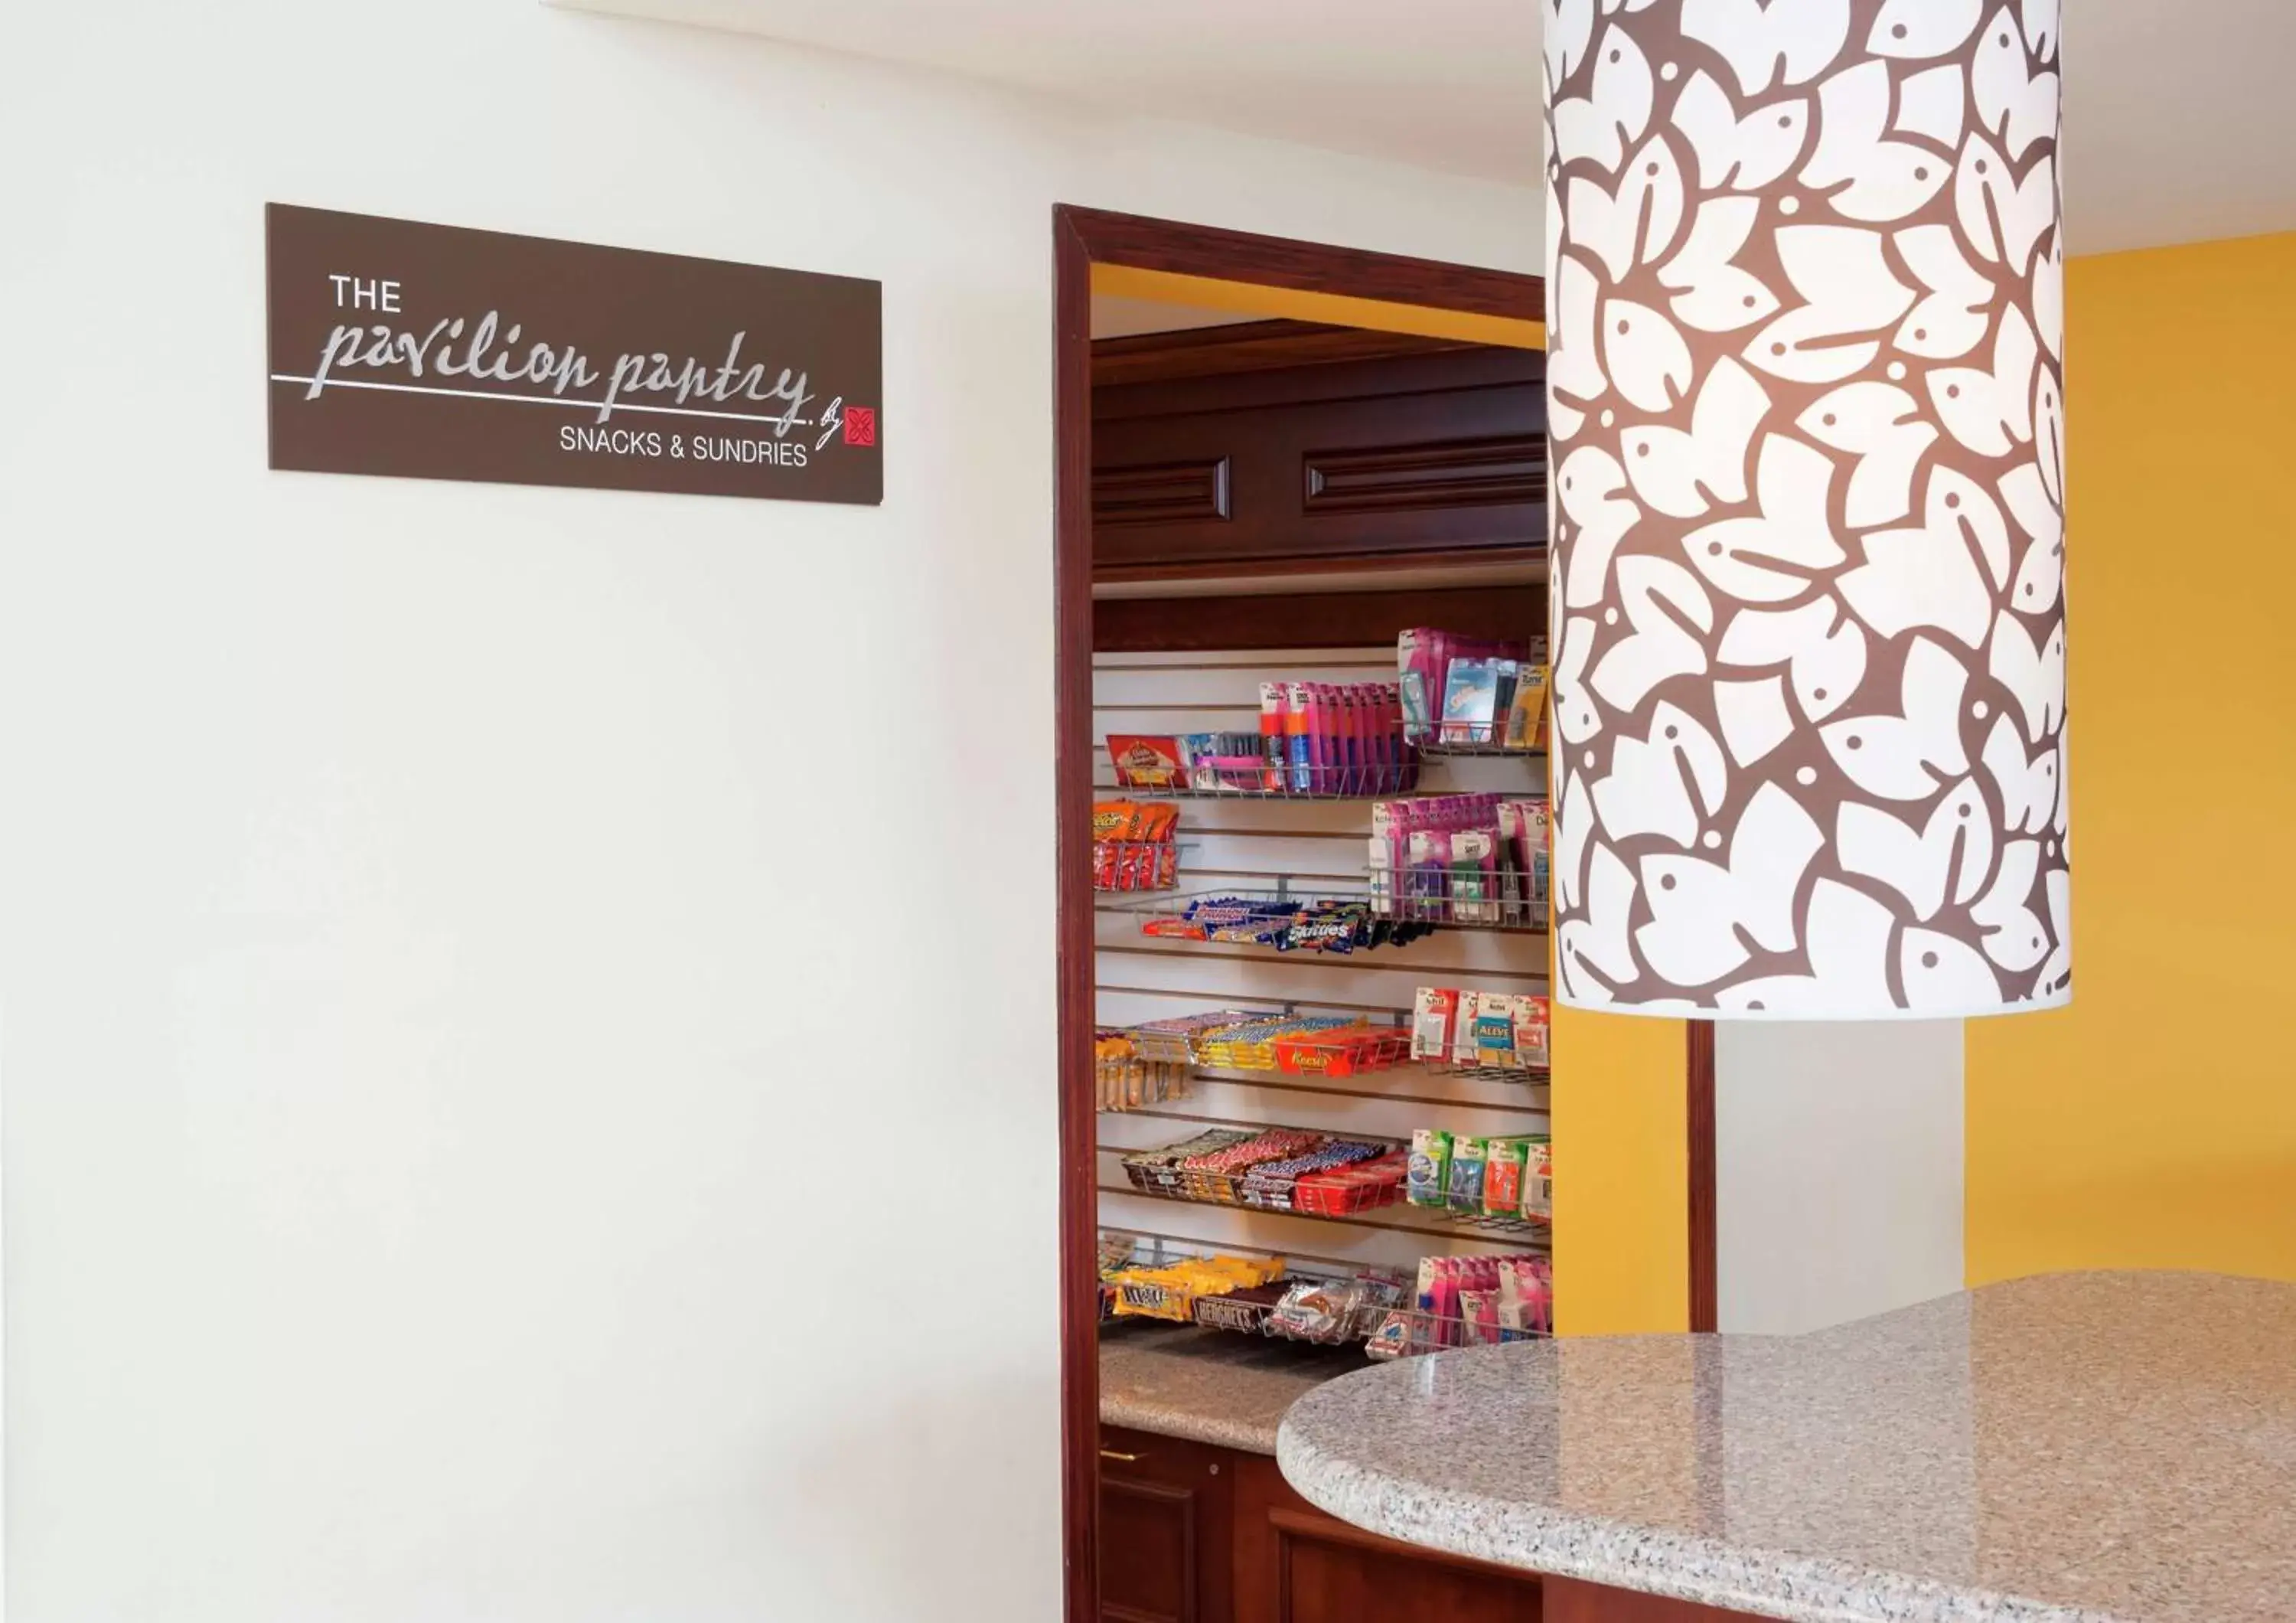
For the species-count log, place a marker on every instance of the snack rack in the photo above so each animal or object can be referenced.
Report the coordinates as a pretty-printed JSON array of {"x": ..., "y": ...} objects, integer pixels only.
[
  {"x": 1232, "y": 915},
  {"x": 1381, "y": 1307},
  {"x": 1477, "y": 740},
  {"x": 1301, "y": 849},
  {"x": 1338, "y": 785}
]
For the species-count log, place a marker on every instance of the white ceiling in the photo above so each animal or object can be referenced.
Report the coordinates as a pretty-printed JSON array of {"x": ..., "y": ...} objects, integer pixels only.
[{"x": 2181, "y": 118}]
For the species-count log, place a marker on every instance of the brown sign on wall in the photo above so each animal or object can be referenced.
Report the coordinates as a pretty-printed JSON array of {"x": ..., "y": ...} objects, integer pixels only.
[{"x": 434, "y": 352}]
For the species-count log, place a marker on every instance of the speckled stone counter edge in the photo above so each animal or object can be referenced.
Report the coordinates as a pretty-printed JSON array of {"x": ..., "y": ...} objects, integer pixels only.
[
  {"x": 1795, "y": 1588},
  {"x": 1165, "y": 1421}
]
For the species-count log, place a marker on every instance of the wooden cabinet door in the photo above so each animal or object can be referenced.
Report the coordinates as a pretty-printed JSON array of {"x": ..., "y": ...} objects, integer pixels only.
[
  {"x": 1435, "y": 457},
  {"x": 1167, "y": 1516},
  {"x": 1294, "y": 1564}
]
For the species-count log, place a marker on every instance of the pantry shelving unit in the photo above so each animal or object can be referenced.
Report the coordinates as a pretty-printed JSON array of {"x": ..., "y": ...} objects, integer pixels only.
[{"x": 1301, "y": 849}]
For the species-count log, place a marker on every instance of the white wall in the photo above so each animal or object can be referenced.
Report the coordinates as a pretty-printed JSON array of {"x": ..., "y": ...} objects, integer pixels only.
[
  {"x": 1838, "y": 1170},
  {"x": 470, "y": 1150}
]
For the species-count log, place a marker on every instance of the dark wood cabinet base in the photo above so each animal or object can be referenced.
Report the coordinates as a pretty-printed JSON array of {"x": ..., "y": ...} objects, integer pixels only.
[
  {"x": 1569, "y": 1600},
  {"x": 1191, "y": 1533},
  {"x": 1195, "y": 1534}
]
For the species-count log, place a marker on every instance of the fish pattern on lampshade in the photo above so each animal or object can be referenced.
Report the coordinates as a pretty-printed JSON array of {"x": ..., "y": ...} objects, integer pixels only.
[{"x": 1806, "y": 329}]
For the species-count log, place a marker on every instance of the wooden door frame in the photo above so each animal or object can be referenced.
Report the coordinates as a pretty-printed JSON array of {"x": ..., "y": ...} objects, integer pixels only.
[{"x": 1083, "y": 238}]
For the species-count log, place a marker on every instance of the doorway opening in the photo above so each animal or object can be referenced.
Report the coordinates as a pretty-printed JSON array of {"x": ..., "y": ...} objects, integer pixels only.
[{"x": 1274, "y": 459}]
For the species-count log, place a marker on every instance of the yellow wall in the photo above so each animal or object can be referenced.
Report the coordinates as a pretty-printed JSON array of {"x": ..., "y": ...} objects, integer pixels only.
[
  {"x": 1623, "y": 1178},
  {"x": 2153, "y": 1122},
  {"x": 1256, "y": 298}
]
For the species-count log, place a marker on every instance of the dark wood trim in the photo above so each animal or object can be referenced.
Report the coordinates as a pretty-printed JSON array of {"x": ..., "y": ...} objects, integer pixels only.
[
  {"x": 1072, "y": 756},
  {"x": 1364, "y": 562},
  {"x": 1307, "y": 268},
  {"x": 1249, "y": 346},
  {"x": 1310, "y": 620},
  {"x": 1705, "y": 1281},
  {"x": 1082, "y": 237},
  {"x": 1437, "y": 371}
]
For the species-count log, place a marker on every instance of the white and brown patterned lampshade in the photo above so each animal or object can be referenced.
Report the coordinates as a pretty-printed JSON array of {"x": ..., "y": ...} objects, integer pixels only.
[{"x": 1805, "y": 323}]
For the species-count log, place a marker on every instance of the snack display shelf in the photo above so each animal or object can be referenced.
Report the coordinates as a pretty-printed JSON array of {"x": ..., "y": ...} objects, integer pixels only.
[
  {"x": 1357, "y": 1305},
  {"x": 1320, "y": 921},
  {"x": 1273, "y": 1180},
  {"x": 1384, "y": 1216},
  {"x": 1250, "y": 1043},
  {"x": 1346, "y": 785},
  {"x": 1536, "y": 1232},
  {"x": 1478, "y": 741},
  {"x": 1529, "y": 1076}
]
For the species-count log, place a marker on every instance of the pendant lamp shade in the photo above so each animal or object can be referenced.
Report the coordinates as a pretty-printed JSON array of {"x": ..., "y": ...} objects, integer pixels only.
[{"x": 1805, "y": 323}]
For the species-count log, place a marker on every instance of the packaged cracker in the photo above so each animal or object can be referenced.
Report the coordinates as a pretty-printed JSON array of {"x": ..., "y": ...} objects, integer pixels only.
[
  {"x": 1145, "y": 761},
  {"x": 1427, "y": 1182},
  {"x": 1466, "y": 1180}
]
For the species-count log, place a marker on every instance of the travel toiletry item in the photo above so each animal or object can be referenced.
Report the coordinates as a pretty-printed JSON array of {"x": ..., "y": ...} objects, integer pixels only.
[
  {"x": 1506, "y": 673},
  {"x": 1466, "y": 1180},
  {"x": 1526, "y": 715},
  {"x": 1473, "y": 869},
  {"x": 1469, "y": 694},
  {"x": 1539, "y": 1180},
  {"x": 1433, "y": 1011},
  {"x": 1272, "y": 712},
  {"x": 1298, "y": 720},
  {"x": 1503, "y": 1164},
  {"x": 1418, "y": 683},
  {"x": 1427, "y": 1180},
  {"x": 1532, "y": 1025},
  {"x": 1495, "y": 1030},
  {"x": 1463, "y": 1049}
]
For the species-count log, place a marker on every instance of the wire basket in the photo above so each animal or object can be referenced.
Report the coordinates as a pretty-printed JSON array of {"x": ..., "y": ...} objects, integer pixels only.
[
  {"x": 1263, "y": 1172},
  {"x": 1126, "y": 1081},
  {"x": 1505, "y": 899},
  {"x": 1410, "y": 1331},
  {"x": 1473, "y": 739},
  {"x": 1254, "y": 777},
  {"x": 1524, "y": 1075}
]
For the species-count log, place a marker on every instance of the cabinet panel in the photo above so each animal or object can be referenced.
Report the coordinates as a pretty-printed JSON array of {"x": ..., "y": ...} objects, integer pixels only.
[
  {"x": 1148, "y": 1568},
  {"x": 1294, "y": 1564},
  {"x": 1425, "y": 456},
  {"x": 1167, "y": 1518}
]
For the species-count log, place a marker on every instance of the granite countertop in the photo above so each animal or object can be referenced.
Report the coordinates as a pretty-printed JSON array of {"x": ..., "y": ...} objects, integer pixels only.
[
  {"x": 1209, "y": 1386},
  {"x": 2073, "y": 1448}
]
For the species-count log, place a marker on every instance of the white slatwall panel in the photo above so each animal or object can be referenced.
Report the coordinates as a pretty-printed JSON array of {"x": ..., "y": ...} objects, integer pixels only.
[{"x": 1248, "y": 845}]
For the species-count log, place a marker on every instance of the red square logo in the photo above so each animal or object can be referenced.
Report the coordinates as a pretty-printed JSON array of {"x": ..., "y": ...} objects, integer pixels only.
[{"x": 860, "y": 425}]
